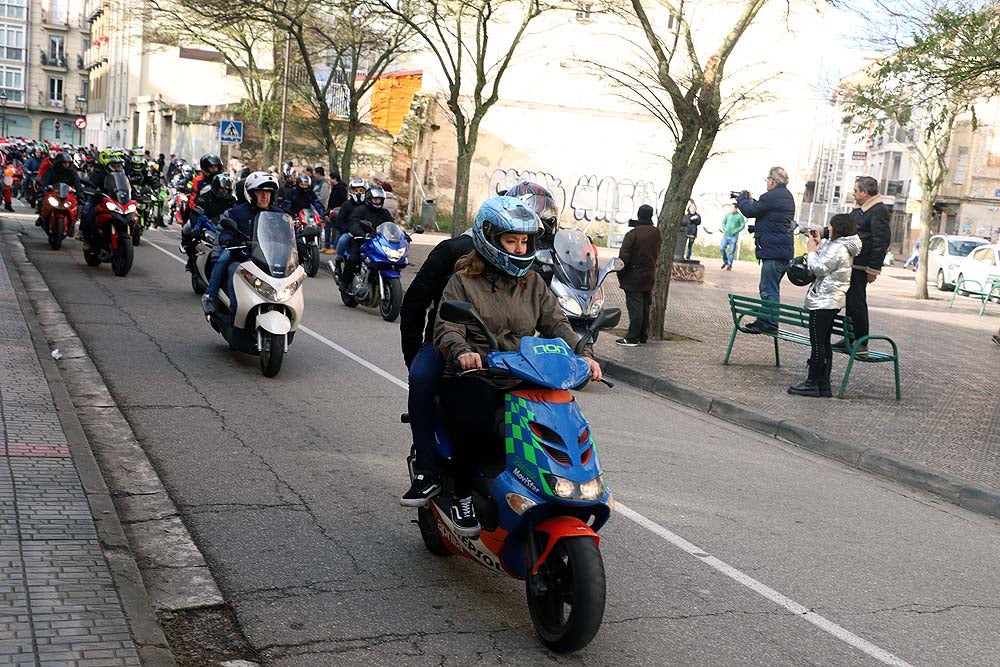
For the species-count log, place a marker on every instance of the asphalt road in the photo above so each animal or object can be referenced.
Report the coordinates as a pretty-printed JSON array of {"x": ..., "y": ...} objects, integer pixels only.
[{"x": 722, "y": 542}]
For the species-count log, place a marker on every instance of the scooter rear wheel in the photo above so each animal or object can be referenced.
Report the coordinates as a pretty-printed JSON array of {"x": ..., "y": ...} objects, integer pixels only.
[
  {"x": 197, "y": 285},
  {"x": 429, "y": 532},
  {"x": 566, "y": 598}
]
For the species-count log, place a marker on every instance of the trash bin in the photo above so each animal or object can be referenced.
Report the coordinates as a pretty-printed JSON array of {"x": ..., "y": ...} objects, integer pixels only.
[{"x": 428, "y": 213}]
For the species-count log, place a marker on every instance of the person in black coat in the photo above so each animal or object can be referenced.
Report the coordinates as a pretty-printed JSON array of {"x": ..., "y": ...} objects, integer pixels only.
[
  {"x": 416, "y": 329},
  {"x": 338, "y": 195},
  {"x": 773, "y": 240},
  {"x": 872, "y": 218},
  {"x": 693, "y": 220}
]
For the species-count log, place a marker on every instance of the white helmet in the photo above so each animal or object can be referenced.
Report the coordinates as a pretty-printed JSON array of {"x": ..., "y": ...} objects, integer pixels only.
[{"x": 260, "y": 180}]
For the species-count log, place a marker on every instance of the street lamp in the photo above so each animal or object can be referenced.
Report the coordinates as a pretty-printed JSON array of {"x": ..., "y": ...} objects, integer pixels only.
[{"x": 3, "y": 113}]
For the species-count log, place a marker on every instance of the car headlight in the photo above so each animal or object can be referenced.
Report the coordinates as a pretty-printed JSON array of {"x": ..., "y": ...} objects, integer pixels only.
[
  {"x": 565, "y": 488},
  {"x": 52, "y": 201},
  {"x": 570, "y": 305}
]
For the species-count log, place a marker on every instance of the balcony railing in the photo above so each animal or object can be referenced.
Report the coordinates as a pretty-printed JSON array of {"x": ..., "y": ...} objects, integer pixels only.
[
  {"x": 55, "y": 20},
  {"x": 57, "y": 61},
  {"x": 92, "y": 9},
  {"x": 46, "y": 101}
]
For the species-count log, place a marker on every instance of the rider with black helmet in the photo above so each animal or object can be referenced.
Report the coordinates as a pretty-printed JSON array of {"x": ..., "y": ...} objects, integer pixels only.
[
  {"x": 301, "y": 197},
  {"x": 213, "y": 203},
  {"x": 364, "y": 219},
  {"x": 61, "y": 171}
]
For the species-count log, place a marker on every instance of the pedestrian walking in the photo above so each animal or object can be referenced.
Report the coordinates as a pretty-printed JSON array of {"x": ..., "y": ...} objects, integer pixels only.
[
  {"x": 640, "y": 252},
  {"x": 773, "y": 242},
  {"x": 732, "y": 225},
  {"x": 872, "y": 219},
  {"x": 693, "y": 219},
  {"x": 830, "y": 262}
]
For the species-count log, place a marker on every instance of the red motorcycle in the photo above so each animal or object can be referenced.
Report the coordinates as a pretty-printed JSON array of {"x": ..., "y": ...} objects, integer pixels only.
[
  {"x": 58, "y": 213},
  {"x": 179, "y": 207},
  {"x": 115, "y": 217}
]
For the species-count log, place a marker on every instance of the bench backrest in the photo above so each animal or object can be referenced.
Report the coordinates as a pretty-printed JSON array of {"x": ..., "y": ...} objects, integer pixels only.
[{"x": 784, "y": 314}]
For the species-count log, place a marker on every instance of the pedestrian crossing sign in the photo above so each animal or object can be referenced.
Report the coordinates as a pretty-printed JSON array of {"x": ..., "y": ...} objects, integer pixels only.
[{"x": 231, "y": 132}]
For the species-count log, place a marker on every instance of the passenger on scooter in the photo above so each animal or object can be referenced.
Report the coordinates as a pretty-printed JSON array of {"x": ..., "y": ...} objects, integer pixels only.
[
  {"x": 213, "y": 204},
  {"x": 61, "y": 171},
  {"x": 364, "y": 220},
  {"x": 514, "y": 302},
  {"x": 425, "y": 365},
  {"x": 302, "y": 197},
  {"x": 355, "y": 197},
  {"x": 261, "y": 189},
  {"x": 541, "y": 201},
  {"x": 211, "y": 164}
]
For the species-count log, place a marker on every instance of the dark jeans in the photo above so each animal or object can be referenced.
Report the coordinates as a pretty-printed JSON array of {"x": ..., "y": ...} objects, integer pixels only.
[
  {"x": 471, "y": 408},
  {"x": 219, "y": 272},
  {"x": 771, "y": 273},
  {"x": 821, "y": 356},
  {"x": 425, "y": 379},
  {"x": 690, "y": 247},
  {"x": 857, "y": 303},
  {"x": 638, "y": 304}
]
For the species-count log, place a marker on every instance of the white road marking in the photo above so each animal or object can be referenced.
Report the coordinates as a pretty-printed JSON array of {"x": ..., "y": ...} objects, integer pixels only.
[{"x": 739, "y": 577}]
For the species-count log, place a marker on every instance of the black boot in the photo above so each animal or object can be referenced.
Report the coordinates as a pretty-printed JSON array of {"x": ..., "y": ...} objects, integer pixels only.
[
  {"x": 825, "y": 391},
  {"x": 809, "y": 387}
]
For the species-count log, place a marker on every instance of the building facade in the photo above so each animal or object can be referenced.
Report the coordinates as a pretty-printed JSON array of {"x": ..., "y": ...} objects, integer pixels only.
[{"x": 43, "y": 82}]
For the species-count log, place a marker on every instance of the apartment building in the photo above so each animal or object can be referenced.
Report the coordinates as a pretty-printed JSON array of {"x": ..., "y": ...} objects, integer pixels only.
[{"x": 43, "y": 83}]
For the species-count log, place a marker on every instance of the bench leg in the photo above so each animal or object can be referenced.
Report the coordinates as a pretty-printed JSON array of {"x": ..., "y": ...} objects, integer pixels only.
[
  {"x": 895, "y": 367},
  {"x": 847, "y": 374},
  {"x": 729, "y": 350},
  {"x": 777, "y": 356}
]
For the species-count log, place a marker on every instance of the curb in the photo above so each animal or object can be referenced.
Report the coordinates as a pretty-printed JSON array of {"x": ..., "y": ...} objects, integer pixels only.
[
  {"x": 974, "y": 497},
  {"x": 147, "y": 634}
]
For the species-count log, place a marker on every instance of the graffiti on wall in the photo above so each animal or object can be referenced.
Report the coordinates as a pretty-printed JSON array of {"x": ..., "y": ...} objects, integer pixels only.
[{"x": 593, "y": 199}]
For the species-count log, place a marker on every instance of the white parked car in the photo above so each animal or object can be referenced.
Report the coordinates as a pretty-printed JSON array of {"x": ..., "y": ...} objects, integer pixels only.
[
  {"x": 981, "y": 264},
  {"x": 944, "y": 255}
]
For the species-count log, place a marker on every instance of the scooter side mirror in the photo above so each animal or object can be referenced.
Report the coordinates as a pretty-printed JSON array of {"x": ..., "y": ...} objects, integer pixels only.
[
  {"x": 544, "y": 257},
  {"x": 608, "y": 319},
  {"x": 419, "y": 229},
  {"x": 615, "y": 264},
  {"x": 462, "y": 312}
]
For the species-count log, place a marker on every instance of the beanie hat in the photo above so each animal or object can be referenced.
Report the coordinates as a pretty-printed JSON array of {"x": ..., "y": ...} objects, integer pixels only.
[{"x": 645, "y": 213}]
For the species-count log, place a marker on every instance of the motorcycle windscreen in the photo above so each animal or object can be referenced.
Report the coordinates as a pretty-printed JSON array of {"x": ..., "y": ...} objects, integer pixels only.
[
  {"x": 274, "y": 243},
  {"x": 117, "y": 185},
  {"x": 576, "y": 259},
  {"x": 62, "y": 190},
  {"x": 391, "y": 232}
]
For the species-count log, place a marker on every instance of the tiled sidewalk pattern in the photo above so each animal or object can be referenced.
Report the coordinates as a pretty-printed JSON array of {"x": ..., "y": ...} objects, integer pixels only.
[{"x": 58, "y": 604}]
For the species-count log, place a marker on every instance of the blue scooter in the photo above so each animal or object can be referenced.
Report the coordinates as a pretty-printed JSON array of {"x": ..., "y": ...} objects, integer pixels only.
[
  {"x": 539, "y": 493},
  {"x": 383, "y": 255}
]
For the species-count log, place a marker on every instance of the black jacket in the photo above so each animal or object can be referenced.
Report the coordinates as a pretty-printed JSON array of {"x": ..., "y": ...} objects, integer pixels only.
[
  {"x": 775, "y": 214},
  {"x": 55, "y": 175},
  {"x": 213, "y": 205},
  {"x": 338, "y": 195},
  {"x": 365, "y": 219},
  {"x": 875, "y": 230},
  {"x": 343, "y": 219},
  {"x": 420, "y": 302}
]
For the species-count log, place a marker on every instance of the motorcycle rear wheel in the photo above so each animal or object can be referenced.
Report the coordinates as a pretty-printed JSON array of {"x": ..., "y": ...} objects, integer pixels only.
[
  {"x": 272, "y": 353},
  {"x": 391, "y": 299},
  {"x": 429, "y": 532},
  {"x": 121, "y": 258},
  {"x": 573, "y": 576}
]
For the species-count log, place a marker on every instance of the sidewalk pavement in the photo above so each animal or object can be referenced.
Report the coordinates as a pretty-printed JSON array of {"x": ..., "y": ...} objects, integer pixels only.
[
  {"x": 63, "y": 593},
  {"x": 943, "y": 436}
]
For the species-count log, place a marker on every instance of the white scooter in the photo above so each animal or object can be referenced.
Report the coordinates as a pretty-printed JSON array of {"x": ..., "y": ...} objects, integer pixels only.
[{"x": 267, "y": 287}]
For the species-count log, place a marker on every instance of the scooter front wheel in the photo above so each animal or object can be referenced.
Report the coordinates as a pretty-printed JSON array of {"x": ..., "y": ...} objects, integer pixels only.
[
  {"x": 566, "y": 598},
  {"x": 272, "y": 353}
]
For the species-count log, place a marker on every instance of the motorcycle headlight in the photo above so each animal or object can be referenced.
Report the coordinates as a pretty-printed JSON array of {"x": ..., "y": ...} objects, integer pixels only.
[
  {"x": 565, "y": 488},
  {"x": 52, "y": 201},
  {"x": 287, "y": 292},
  {"x": 593, "y": 489},
  {"x": 68, "y": 204},
  {"x": 393, "y": 254},
  {"x": 595, "y": 308},
  {"x": 130, "y": 209},
  {"x": 570, "y": 305},
  {"x": 114, "y": 207}
]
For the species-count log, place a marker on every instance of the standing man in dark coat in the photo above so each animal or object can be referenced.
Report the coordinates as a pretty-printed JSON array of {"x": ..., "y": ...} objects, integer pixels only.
[
  {"x": 773, "y": 240},
  {"x": 874, "y": 228},
  {"x": 640, "y": 252}
]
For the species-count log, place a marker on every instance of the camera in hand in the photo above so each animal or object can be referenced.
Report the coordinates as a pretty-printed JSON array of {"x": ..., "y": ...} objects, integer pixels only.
[
  {"x": 735, "y": 194},
  {"x": 751, "y": 228}
]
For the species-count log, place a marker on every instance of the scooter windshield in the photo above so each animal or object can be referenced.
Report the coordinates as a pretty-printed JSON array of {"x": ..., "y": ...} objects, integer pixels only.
[
  {"x": 116, "y": 184},
  {"x": 575, "y": 259},
  {"x": 391, "y": 232},
  {"x": 274, "y": 243}
]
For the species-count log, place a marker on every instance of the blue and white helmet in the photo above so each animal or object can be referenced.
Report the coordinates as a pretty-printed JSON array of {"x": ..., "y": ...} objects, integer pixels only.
[{"x": 504, "y": 215}]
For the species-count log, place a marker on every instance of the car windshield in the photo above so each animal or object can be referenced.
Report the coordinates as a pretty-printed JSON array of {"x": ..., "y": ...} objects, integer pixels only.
[
  {"x": 963, "y": 248},
  {"x": 391, "y": 231},
  {"x": 576, "y": 259},
  {"x": 274, "y": 243}
]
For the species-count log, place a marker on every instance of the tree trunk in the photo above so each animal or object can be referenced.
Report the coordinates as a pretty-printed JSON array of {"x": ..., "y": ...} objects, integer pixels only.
[
  {"x": 689, "y": 157},
  {"x": 347, "y": 154},
  {"x": 926, "y": 213},
  {"x": 460, "y": 207}
]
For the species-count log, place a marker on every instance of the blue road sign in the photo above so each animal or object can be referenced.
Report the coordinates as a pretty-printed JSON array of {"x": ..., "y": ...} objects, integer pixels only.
[{"x": 231, "y": 132}]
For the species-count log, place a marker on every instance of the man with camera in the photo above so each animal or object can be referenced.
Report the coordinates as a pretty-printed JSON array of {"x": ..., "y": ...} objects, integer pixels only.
[
  {"x": 874, "y": 228},
  {"x": 773, "y": 242}
]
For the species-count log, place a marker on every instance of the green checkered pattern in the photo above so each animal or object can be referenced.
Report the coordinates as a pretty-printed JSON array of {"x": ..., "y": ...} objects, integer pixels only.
[{"x": 519, "y": 439}]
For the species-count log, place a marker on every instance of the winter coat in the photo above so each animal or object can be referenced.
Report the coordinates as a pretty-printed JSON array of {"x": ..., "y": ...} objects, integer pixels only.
[
  {"x": 420, "y": 302},
  {"x": 693, "y": 220},
  {"x": 322, "y": 187},
  {"x": 392, "y": 204},
  {"x": 831, "y": 265},
  {"x": 365, "y": 219},
  {"x": 640, "y": 252},
  {"x": 511, "y": 307},
  {"x": 775, "y": 214},
  {"x": 733, "y": 224},
  {"x": 875, "y": 231},
  {"x": 338, "y": 195}
]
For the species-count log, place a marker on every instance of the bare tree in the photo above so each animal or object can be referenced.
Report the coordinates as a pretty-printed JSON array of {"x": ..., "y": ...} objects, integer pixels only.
[{"x": 460, "y": 34}]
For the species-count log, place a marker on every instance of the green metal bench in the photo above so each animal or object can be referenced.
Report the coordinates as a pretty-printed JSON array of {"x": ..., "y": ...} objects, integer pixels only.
[
  {"x": 974, "y": 288},
  {"x": 793, "y": 327}
]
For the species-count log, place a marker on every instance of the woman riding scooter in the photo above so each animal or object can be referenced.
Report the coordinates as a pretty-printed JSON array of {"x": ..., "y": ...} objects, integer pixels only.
[{"x": 514, "y": 302}]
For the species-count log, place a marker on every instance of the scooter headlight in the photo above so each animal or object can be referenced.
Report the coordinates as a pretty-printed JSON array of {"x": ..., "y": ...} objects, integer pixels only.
[
  {"x": 288, "y": 291},
  {"x": 570, "y": 305},
  {"x": 52, "y": 201},
  {"x": 268, "y": 292},
  {"x": 593, "y": 489},
  {"x": 595, "y": 308},
  {"x": 565, "y": 488}
]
